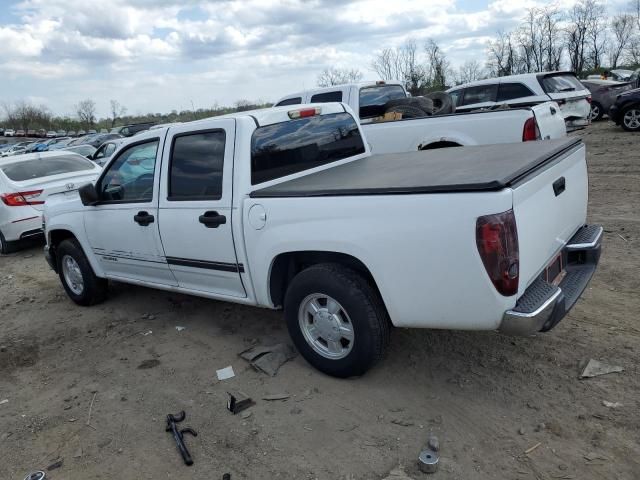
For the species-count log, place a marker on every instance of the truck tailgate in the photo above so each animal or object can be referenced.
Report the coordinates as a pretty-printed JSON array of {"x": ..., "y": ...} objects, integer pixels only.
[
  {"x": 550, "y": 120},
  {"x": 550, "y": 205}
]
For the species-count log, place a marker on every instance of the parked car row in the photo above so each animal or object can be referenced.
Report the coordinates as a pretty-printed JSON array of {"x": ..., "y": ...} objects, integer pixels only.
[{"x": 124, "y": 131}]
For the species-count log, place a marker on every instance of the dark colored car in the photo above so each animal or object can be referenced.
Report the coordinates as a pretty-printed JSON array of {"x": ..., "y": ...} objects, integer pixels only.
[
  {"x": 99, "y": 138},
  {"x": 603, "y": 95},
  {"x": 626, "y": 110},
  {"x": 131, "y": 130}
]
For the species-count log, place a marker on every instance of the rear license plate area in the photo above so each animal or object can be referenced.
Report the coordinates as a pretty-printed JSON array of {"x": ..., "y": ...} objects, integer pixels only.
[{"x": 555, "y": 272}]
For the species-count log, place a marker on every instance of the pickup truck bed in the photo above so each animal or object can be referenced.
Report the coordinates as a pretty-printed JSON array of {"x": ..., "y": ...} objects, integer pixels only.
[{"x": 475, "y": 168}]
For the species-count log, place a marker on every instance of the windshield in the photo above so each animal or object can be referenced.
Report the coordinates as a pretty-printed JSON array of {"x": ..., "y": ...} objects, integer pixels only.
[
  {"x": 561, "y": 83},
  {"x": 45, "y": 167}
]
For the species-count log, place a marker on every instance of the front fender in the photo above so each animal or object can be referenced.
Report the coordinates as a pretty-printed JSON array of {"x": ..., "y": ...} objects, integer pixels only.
[{"x": 70, "y": 225}]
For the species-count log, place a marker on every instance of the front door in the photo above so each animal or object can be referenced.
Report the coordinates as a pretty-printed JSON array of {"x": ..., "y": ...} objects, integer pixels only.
[
  {"x": 196, "y": 208},
  {"x": 123, "y": 227}
]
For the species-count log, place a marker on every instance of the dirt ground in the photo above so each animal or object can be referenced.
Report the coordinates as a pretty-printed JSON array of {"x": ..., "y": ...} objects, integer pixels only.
[{"x": 488, "y": 397}]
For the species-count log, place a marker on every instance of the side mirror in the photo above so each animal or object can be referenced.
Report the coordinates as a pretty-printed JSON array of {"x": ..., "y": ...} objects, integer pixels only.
[{"x": 88, "y": 194}]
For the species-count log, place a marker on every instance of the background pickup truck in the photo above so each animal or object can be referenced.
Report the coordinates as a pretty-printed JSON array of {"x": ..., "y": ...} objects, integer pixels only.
[
  {"x": 543, "y": 121},
  {"x": 287, "y": 208}
]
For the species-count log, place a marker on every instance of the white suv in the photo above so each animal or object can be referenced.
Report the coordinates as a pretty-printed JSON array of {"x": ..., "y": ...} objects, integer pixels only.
[{"x": 526, "y": 90}]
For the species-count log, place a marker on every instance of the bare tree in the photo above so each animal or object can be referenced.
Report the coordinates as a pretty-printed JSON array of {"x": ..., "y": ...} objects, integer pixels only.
[
  {"x": 117, "y": 110},
  {"x": 338, "y": 76},
  {"x": 86, "y": 111},
  {"x": 634, "y": 42},
  {"x": 439, "y": 66},
  {"x": 25, "y": 115},
  {"x": 503, "y": 55},
  {"x": 597, "y": 34},
  {"x": 470, "y": 71},
  {"x": 622, "y": 29},
  {"x": 579, "y": 34},
  {"x": 403, "y": 64}
]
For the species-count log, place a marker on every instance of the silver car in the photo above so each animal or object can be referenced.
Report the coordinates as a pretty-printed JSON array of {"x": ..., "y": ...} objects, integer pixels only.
[{"x": 26, "y": 182}]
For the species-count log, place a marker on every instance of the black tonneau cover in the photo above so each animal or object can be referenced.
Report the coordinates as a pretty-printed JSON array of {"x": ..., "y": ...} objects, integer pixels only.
[{"x": 460, "y": 169}]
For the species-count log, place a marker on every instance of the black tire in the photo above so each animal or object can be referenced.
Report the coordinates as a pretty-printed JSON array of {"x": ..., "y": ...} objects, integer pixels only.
[
  {"x": 366, "y": 313},
  {"x": 94, "y": 288},
  {"x": 627, "y": 127},
  {"x": 442, "y": 103},
  {"x": 596, "y": 111},
  {"x": 423, "y": 103},
  {"x": 6, "y": 247},
  {"x": 407, "y": 111}
]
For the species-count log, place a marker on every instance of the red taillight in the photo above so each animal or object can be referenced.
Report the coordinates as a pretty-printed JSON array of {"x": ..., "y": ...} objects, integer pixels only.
[
  {"x": 589, "y": 99},
  {"x": 530, "y": 131},
  {"x": 304, "y": 113},
  {"x": 20, "y": 199},
  {"x": 497, "y": 241}
]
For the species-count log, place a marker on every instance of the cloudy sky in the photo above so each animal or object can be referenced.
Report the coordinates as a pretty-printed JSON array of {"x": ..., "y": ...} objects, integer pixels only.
[{"x": 159, "y": 55}]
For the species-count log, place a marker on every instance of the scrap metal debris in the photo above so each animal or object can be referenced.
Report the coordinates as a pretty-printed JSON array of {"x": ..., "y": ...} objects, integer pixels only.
[
  {"x": 595, "y": 368},
  {"x": 428, "y": 461},
  {"x": 39, "y": 475},
  {"x": 276, "y": 396},
  {"x": 269, "y": 359},
  {"x": 178, "y": 435},
  {"x": 238, "y": 401},
  {"x": 611, "y": 404},
  {"x": 225, "y": 373}
]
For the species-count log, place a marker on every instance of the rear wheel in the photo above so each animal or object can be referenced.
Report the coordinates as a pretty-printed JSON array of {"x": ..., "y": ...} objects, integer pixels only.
[
  {"x": 596, "y": 111},
  {"x": 76, "y": 275},
  {"x": 336, "y": 320},
  {"x": 631, "y": 119},
  {"x": 5, "y": 247}
]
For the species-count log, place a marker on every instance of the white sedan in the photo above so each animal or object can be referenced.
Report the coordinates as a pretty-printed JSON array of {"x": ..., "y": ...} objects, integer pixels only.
[{"x": 26, "y": 182}]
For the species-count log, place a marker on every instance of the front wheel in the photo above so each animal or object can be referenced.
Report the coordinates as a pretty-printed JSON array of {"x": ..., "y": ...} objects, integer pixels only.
[
  {"x": 336, "y": 320},
  {"x": 631, "y": 119},
  {"x": 76, "y": 275}
]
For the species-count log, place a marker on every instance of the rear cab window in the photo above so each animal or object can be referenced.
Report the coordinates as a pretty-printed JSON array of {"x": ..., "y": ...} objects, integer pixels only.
[
  {"x": 327, "y": 97},
  {"x": 46, "y": 167},
  {"x": 374, "y": 98},
  {"x": 290, "y": 101},
  {"x": 290, "y": 147},
  {"x": 561, "y": 83}
]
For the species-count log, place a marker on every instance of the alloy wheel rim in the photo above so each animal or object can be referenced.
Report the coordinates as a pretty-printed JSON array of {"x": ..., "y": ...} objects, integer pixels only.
[
  {"x": 326, "y": 326},
  {"x": 72, "y": 275},
  {"x": 595, "y": 111},
  {"x": 632, "y": 119}
]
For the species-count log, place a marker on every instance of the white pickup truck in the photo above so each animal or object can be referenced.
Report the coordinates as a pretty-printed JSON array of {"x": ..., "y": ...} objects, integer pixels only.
[
  {"x": 287, "y": 208},
  {"x": 511, "y": 125}
]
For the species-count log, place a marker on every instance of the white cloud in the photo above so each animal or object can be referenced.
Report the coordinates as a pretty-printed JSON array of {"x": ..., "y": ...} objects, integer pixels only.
[{"x": 155, "y": 55}]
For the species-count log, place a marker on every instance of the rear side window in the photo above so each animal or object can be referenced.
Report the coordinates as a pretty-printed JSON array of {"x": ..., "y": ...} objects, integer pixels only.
[
  {"x": 373, "y": 99},
  {"x": 327, "y": 97},
  {"x": 510, "y": 91},
  {"x": 45, "y": 167},
  {"x": 480, "y": 94},
  {"x": 297, "y": 145},
  {"x": 561, "y": 83},
  {"x": 196, "y": 166},
  {"x": 455, "y": 96},
  {"x": 290, "y": 101}
]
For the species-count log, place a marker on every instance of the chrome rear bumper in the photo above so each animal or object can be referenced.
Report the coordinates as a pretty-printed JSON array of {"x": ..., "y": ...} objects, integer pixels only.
[{"x": 543, "y": 305}]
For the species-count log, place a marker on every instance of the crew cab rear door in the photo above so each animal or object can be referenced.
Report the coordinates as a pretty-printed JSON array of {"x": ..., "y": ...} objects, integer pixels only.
[{"x": 195, "y": 208}]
